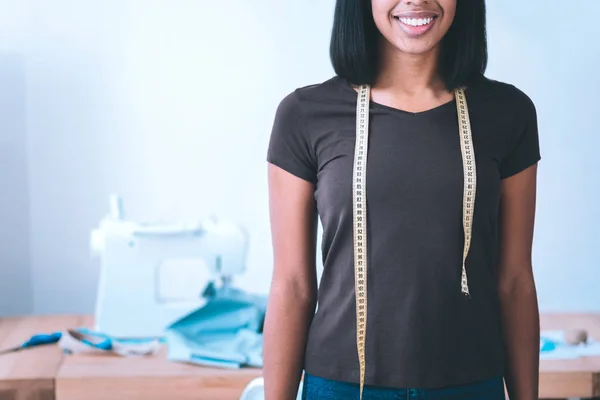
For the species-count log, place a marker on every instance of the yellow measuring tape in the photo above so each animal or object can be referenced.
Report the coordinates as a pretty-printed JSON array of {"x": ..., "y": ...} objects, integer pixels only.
[{"x": 359, "y": 189}]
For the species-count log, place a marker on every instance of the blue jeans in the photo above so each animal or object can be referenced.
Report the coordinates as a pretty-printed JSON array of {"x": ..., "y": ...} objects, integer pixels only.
[{"x": 315, "y": 388}]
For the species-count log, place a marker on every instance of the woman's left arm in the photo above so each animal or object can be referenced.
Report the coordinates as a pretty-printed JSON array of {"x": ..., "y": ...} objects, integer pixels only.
[{"x": 518, "y": 296}]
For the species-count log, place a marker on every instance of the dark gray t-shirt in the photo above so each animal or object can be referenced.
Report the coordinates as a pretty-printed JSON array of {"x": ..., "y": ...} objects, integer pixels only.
[{"x": 421, "y": 331}]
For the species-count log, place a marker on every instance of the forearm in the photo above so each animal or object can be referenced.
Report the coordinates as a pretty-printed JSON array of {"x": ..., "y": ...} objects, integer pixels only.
[
  {"x": 520, "y": 319},
  {"x": 289, "y": 313}
]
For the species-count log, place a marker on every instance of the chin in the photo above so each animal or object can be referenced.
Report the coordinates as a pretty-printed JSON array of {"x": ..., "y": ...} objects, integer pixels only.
[{"x": 414, "y": 48}]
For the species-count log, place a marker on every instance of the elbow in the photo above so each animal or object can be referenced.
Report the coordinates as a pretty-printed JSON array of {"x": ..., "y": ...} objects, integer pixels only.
[
  {"x": 518, "y": 284},
  {"x": 300, "y": 288}
]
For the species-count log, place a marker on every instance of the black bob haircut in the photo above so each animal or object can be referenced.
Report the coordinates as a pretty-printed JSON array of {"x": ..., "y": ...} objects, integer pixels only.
[{"x": 354, "y": 47}]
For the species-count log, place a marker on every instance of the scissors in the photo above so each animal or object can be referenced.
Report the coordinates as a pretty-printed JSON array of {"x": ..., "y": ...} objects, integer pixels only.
[{"x": 35, "y": 340}]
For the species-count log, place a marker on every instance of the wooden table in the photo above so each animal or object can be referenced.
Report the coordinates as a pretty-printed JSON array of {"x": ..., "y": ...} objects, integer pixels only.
[
  {"x": 579, "y": 378},
  {"x": 44, "y": 373},
  {"x": 93, "y": 377},
  {"x": 30, "y": 375}
]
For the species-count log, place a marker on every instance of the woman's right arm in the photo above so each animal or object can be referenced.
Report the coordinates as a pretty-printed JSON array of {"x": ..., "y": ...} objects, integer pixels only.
[{"x": 293, "y": 290}]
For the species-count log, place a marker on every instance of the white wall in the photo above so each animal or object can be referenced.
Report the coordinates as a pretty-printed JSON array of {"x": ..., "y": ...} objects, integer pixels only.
[
  {"x": 15, "y": 279},
  {"x": 170, "y": 104}
]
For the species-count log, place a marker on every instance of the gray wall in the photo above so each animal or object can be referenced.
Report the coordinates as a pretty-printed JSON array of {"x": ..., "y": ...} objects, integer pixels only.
[{"x": 15, "y": 271}]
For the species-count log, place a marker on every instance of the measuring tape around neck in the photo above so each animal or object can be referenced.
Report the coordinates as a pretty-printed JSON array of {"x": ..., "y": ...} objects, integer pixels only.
[{"x": 359, "y": 191}]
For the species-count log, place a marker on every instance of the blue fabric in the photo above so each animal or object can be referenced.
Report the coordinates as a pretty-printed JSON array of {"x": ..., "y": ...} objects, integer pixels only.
[
  {"x": 225, "y": 332},
  {"x": 315, "y": 388}
]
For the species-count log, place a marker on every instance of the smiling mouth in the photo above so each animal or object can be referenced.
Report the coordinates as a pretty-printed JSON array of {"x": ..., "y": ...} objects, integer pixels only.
[
  {"x": 416, "y": 24},
  {"x": 416, "y": 21}
]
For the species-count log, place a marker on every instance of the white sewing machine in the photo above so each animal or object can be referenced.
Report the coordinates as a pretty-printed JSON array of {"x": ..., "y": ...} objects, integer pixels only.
[{"x": 153, "y": 274}]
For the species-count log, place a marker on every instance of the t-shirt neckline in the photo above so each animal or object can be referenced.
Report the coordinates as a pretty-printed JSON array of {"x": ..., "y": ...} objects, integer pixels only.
[{"x": 347, "y": 86}]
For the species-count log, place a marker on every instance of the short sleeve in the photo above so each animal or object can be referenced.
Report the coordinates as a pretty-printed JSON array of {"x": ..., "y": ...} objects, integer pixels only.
[
  {"x": 289, "y": 144},
  {"x": 523, "y": 145}
]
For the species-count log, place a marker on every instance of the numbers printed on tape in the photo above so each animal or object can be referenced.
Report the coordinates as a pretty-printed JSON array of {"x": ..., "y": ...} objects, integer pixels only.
[
  {"x": 470, "y": 180},
  {"x": 360, "y": 225},
  {"x": 359, "y": 189}
]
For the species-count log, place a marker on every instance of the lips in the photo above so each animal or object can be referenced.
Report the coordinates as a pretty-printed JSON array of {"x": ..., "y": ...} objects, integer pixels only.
[{"x": 416, "y": 23}]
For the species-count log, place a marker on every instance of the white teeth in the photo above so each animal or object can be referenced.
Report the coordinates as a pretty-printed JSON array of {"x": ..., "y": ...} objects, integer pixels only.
[{"x": 416, "y": 21}]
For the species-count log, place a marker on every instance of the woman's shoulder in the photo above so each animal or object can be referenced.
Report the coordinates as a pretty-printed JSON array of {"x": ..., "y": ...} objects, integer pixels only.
[
  {"x": 500, "y": 94},
  {"x": 334, "y": 89}
]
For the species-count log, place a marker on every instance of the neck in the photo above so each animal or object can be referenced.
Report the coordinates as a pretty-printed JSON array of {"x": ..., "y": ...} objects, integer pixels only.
[{"x": 409, "y": 74}]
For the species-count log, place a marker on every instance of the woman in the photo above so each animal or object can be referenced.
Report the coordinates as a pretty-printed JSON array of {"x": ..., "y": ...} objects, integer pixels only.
[{"x": 450, "y": 300}]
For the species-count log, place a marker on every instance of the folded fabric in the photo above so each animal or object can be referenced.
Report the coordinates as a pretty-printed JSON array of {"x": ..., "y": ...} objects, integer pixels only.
[
  {"x": 225, "y": 332},
  {"x": 553, "y": 346}
]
